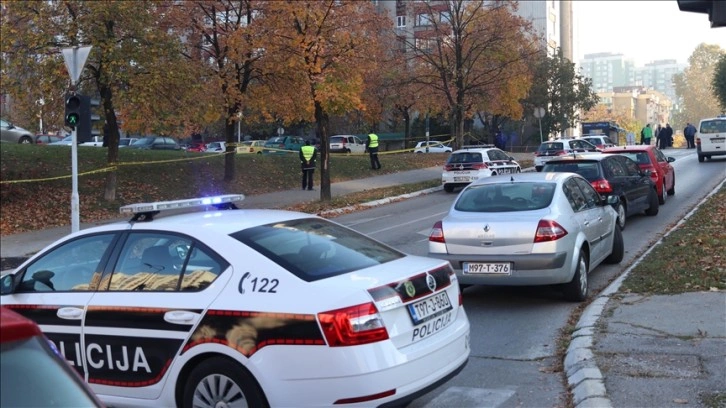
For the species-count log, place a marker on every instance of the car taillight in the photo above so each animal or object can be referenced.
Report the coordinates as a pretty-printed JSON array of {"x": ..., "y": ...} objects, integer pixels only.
[
  {"x": 560, "y": 153},
  {"x": 698, "y": 141},
  {"x": 653, "y": 174},
  {"x": 548, "y": 230},
  {"x": 602, "y": 186},
  {"x": 281, "y": 145},
  {"x": 479, "y": 166},
  {"x": 350, "y": 326},
  {"x": 536, "y": 154},
  {"x": 437, "y": 233},
  {"x": 252, "y": 149}
]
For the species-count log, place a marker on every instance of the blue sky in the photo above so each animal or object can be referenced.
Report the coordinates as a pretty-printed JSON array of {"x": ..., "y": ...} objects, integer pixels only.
[{"x": 641, "y": 30}]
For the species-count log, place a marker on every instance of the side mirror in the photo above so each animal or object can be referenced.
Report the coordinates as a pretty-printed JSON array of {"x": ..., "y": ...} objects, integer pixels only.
[
  {"x": 11, "y": 126},
  {"x": 612, "y": 200},
  {"x": 671, "y": 159},
  {"x": 7, "y": 284}
]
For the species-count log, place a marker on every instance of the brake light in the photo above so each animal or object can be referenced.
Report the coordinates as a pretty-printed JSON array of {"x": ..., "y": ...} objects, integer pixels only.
[
  {"x": 437, "y": 233},
  {"x": 653, "y": 174},
  {"x": 602, "y": 186},
  {"x": 698, "y": 141},
  {"x": 479, "y": 166},
  {"x": 281, "y": 145},
  {"x": 561, "y": 153},
  {"x": 548, "y": 230},
  {"x": 350, "y": 326}
]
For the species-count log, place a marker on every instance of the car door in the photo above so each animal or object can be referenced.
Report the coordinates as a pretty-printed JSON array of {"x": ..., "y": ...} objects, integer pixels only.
[
  {"x": 601, "y": 223},
  {"x": 357, "y": 145},
  {"x": 639, "y": 185},
  {"x": 152, "y": 295},
  {"x": 55, "y": 288},
  {"x": 665, "y": 167},
  {"x": 585, "y": 215}
]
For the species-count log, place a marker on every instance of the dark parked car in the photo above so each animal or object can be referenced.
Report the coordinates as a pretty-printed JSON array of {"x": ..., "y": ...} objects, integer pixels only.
[
  {"x": 614, "y": 175},
  {"x": 156, "y": 143},
  {"x": 652, "y": 159}
]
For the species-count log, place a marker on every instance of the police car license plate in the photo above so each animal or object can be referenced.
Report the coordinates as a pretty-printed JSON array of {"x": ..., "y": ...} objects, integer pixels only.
[
  {"x": 718, "y": 139},
  {"x": 429, "y": 308},
  {"x": 506, "y": 170},
  {"x": 462, "y": 178},
  {"x": 501, "y": 268}
]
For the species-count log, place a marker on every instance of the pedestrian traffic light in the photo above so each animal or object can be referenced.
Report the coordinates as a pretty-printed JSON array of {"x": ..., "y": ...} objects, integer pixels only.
[{"x": 73, "y": 110}]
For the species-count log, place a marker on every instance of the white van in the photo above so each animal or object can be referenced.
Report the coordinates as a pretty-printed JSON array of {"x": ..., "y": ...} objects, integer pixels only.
[{"x": 711, "y": 138}]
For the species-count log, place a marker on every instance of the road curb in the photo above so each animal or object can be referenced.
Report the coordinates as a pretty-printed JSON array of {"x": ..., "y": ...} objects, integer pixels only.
[{"x": 583, "y": 375}]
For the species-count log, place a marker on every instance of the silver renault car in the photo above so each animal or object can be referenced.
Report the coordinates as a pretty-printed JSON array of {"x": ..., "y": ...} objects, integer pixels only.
[
  {"x": 529, "y": 229},
  {"x": 10, "y": 133}
]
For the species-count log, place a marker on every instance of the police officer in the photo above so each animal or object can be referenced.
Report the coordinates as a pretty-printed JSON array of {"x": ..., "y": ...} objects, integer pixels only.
[
  {"x": 308, "y": 155},
  {"x": 372, "y": 149}
]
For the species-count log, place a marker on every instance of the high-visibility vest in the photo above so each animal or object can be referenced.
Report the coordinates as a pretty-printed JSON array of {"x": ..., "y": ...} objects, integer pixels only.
[
  {"x": 307, "y": 152},
  {"x": 373, "y": 140}
]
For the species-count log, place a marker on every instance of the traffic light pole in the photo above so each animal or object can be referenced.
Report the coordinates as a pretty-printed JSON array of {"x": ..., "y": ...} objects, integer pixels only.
[{"x": 75, "y": 198}]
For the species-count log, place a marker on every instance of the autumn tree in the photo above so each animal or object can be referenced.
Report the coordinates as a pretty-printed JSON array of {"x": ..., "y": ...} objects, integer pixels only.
[
  {"x": 127, "y": 56},
  {"x": 323, "y": 51},
  {"x": 719, "y": 82},
  {"x": 561, "y": 91},
  {"x": 471, "y": 51},
  {"x": 225, "y": 42},
  {"x": 693, "y": 86}
]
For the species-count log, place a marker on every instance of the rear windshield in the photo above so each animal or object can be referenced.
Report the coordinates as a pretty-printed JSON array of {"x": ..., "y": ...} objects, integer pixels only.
[
  {"x": 638, "y": 157},
  {"x": 465, "y": 157},
  {"x": 551, "y": 146},
  {"x": 590, "y": 170},
  {"x": 524, "y": 196},
  {"x": 336, "y": 139},
  {"x": 315, "y": 249},
  {"x": 713, "y": 126}
]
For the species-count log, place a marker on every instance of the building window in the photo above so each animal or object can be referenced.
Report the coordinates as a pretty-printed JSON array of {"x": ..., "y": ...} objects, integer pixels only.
[
  {"x": 401, "y": 21},
  {"x": 423, "y": 19},
  {"x": 425, "y": 44},
  {"x": 445, "y": 17}
]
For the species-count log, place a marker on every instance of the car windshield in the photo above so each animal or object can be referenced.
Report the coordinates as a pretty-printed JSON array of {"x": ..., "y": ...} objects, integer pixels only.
[
  {"x": 501, "y": 197},
  {"x": 590, "y": 170},
  {"x": 550, "y": 146},
  {"x": 336, "y": 139},
  {"x": 314, "y": 249},
  {"x": 465, "y": 157},
  {"x": 713, "y": 126},
  {"x": 143, "y": 142},
  {"x": 25, "y": 385}
]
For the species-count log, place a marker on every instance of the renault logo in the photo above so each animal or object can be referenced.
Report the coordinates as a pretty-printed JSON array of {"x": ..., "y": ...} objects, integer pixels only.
[{"x": 486, "y": 228}]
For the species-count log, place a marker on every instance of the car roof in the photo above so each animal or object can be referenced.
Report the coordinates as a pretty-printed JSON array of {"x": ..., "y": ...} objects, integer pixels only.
[
  {"x": 629, "y": 148},
  {"x": 474, "y": 149},
  {"x": 579, "y": 157},
  {"x": 524, "y": 177},
  {"x": 15, "y": 327}
]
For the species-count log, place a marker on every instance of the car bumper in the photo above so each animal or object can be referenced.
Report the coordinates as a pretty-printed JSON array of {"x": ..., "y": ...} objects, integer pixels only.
[
  {"x": 716, "y": 152},
  {"x": 531, "y": 269}
]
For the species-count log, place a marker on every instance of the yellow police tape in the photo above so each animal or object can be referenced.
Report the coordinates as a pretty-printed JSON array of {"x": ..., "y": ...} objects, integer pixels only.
[{"x": 115, "y": 166}]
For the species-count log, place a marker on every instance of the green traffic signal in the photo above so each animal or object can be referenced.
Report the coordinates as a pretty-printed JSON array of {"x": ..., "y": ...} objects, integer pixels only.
[
  {"x": 73, "y": 111},
  {"x": 72, "y": 119}
]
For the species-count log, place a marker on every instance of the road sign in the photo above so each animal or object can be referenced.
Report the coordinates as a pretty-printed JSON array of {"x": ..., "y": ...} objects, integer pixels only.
[
  {"x": 280, "y": 130},
  {"x": 539, "y": 113},
  {"x": 75, "y": 59}
]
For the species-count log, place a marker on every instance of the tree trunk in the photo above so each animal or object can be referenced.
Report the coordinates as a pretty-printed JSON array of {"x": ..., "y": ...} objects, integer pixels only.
[
  {"x": 321, "y": 120},
  {"x": 231, "y": 141},
  {"x": 112, "y": 140}
]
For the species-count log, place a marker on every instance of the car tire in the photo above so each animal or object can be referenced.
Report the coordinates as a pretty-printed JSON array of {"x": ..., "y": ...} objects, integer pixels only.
[
  {"x": 654, "y": 203},
  {"x": 663, "y": 194},
  {"x": 576, "y": 290},
  {"x": 672, "y": 190},
  {"x": 700, "y": 158},
  {"x": 218, "y": 381},
  {"x": 25, "y": 140},
  {"x": 618, "y": 248},
  {"x": 621, "y": 210},
  {"x": 448, "y": 188}
]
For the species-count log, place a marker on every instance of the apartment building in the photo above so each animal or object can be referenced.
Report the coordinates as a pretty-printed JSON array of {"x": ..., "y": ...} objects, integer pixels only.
[
  {"x": 644, "y": 104},
  {"x": 658, "y": 75},
  {"x": 608, "y": 70}
]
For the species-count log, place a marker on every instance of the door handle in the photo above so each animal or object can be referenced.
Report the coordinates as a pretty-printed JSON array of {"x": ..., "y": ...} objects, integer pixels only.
[
  {"x": 70, "y": 313},
  {"x": 181, "y": 317}
]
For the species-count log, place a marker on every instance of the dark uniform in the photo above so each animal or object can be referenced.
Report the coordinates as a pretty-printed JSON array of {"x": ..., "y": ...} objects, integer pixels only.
[
  {"x": 372, "y": 148},
  {"x": 308, "y": 155}
]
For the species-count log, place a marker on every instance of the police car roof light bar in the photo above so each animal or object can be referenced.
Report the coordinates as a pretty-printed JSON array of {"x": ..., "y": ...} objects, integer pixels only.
[{"x": 219, "y": 202}]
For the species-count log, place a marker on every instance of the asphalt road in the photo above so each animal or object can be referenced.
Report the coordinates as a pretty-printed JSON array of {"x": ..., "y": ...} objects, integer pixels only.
[{"x": 515, "y": 331}]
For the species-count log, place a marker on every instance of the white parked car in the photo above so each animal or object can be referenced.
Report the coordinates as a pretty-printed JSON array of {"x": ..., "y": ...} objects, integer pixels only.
[
  {"x": 216, "y": 147},
  {"x": 346, "y": 144},
  {"x": 601, "y": 142},
  {"x": 711, "y": 138},
  {"x": 96, "y": 141},
  {"x": 472, "y": 163},
  {"x": 240, "y": 307},
  {"x": 67, "y": 141},
  {"x": 529, "y": 229},
  {"x": 555, "y": 149},
  {"x": 433, "y": 147}
]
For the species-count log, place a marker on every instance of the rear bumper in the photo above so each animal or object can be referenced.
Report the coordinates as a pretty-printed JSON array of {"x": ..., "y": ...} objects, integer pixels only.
[
  {"x": 533, "y": 269},
  {"x": 716, "y": 152}
]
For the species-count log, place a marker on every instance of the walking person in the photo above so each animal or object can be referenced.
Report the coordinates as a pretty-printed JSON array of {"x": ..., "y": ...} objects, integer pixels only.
[
  {"x": 646, "y": 134},
  {"x": 308, "y": 155},
  {"x": 657, "y": 134},
  {"x": 372, "y": 149},
  {"x": 689, "y": 132}
]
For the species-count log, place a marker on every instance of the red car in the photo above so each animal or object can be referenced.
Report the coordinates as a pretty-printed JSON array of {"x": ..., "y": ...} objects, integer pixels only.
[
  {"x": 197, "y": 147},
  {"x": 651, "y": 158},
  {"x": 33, "y": 373}
]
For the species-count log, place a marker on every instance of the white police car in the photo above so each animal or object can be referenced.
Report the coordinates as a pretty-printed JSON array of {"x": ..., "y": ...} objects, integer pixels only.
[
  {"x": 471, "y": 163},
  {"x": 231, "y": 307}
]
